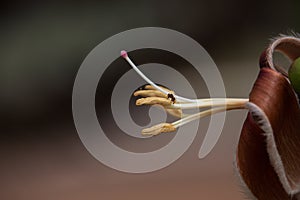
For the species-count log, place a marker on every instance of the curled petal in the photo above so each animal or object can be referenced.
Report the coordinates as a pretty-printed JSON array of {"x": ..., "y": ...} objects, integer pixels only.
[
  {"x": 287, "y": 45},
  {"x": 268, "y": 155}
]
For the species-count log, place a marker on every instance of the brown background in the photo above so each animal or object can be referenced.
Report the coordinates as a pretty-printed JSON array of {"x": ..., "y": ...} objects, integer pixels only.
[{"x": 42, "y": 47}]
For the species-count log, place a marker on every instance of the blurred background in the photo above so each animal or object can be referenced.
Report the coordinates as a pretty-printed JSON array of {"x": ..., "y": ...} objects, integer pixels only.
[{"x": 42, "y": 47}]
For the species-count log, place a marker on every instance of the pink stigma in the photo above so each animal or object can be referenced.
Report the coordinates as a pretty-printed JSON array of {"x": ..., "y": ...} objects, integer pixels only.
[{"x": 124, "y": 54}]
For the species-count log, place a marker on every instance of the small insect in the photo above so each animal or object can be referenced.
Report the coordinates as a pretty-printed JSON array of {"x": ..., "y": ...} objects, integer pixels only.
[{"x": 171, "y": 97}]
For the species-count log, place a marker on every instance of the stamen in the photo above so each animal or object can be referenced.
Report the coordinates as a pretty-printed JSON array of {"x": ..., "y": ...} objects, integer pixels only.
[
  {"x": 150, "y": 93},
  {"x": 174, "y": 104},
  {"x": 205, "y": 113},
  {"x": 170, "y": 127},
  {"x": 176, "y": 112},
  {"x": 159, "y": 128},
  {"x": 204, "y": 103},
  {"x": 150, "y": 87},
  {"x": 153, "y": 100}
]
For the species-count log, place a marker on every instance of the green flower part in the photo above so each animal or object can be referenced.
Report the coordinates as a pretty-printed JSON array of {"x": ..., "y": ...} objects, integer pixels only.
[{"x": 294, "y": 75}]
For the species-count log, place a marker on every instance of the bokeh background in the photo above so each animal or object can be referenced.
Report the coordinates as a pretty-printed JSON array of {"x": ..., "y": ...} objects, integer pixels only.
[{"x": 42, "y": 46}]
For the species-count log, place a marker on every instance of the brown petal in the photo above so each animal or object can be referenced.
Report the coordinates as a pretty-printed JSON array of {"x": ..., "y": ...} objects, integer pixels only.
[{"x": 268, "y": 159}]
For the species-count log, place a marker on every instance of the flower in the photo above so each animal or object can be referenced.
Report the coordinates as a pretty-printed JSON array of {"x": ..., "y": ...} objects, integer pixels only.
[
  {"x": 268, "y": 152},
  {"x": 157, "y": 95}
]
